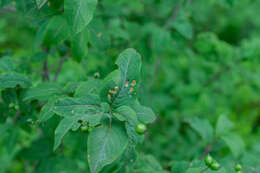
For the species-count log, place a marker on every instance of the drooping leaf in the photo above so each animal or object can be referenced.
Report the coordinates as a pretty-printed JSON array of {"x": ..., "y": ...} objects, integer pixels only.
[
  {"x": 79, "y": 13},
  {"x": 105, "y": 145},
  {"x": 11, "y": 80}
]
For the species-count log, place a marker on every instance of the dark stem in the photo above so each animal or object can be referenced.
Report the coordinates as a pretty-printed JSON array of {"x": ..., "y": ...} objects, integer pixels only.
[
  {"x": 45, "y": 70},
  {"x": 61, "y": 61},
  {"x": 208, "y": 149}
]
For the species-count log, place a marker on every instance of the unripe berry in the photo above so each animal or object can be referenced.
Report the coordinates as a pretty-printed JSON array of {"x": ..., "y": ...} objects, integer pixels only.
[
  {"x": 84, "y": 128},
  {"x": 140, "y": 128},
  {"x": 208, "y": 160},
  {"x": 238, "y": 167},
  {"x": 215, "y": 166}
]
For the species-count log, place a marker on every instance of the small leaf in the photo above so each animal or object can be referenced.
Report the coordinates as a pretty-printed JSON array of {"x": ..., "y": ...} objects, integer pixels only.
[
  {"x": 79, "y": 13},
  {"x": 235, "y": 143},
  {"x": 223, "y": 125},
  {"x": 105, "y": 145},
  {"x": 43, "y": 91},
  {"x": 125, "y": 113},
  {"x": 11, "y": 80}
]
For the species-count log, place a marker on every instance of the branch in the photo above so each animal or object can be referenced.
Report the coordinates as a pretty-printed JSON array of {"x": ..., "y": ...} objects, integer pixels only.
[
  {"x": 61, "y": 61},
  {"x": 208, "y": 149},
  {"x": 45, "y": 70}
]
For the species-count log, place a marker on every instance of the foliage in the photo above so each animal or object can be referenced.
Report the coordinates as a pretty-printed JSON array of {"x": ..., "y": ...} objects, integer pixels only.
[{"x": 125, "y": 86}]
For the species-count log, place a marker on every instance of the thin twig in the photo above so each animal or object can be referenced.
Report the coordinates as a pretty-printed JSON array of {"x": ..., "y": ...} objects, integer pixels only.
[
  {"x": 61, "y": 61},
  {"x": 45, "y": 70},
  {"x": 208, "y": 149}
]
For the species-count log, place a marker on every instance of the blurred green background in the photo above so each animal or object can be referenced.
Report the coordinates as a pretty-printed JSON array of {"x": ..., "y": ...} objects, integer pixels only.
[{"x": 201, "y": 60}]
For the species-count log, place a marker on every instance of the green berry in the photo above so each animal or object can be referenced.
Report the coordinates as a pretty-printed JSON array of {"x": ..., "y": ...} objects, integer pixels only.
[
  {"x": 238, "y": 167},
  {"x": 208, "y": 160},
  {"x": 84, "y": 128},
  {"x": 215, "y": 166},
  {"x": 141, "y": 128}
]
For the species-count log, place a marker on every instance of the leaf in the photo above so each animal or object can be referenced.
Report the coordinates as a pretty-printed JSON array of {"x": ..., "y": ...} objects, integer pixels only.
[
  {"x": 40, "y": 3},
  {"x": 148, "y": 164},
  {"x": 193, "y": 170},
  {"x": 125, "y": 113},
  {"x": 47, "y": 110},
  {"x": 235, "y": 143},
  {"x": 129, "y": 64},
  {"x": 88, "y": 88},
  {"x": 57, "y": 30},
  {"x": 202, "y": 127},
  {"x": 105, "y": 145},
  {"x": 223, "y": 125},
  {"x": 144, "y": 114},
  {"x": 180, "y": 167},
  {"x": 79, "y": 46},
  {"x": 64, "y": 126},
  {"x": 69, "y": 106},
  {"x": 6, "y": 64},
  {"x": 79, "y": 13},
  {"x": 11, "y": 80},
  {"x": 43, "y": 92}
]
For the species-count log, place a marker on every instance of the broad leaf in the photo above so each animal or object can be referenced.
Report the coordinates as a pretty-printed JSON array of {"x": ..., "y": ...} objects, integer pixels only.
[
  {"x": 235, "y": 143},
  {"x": 202, "y": 127},
  {"x": 11, "y": 80},
  {"x": 144, "y": 114},
  {"x": 71, "y": 106},
  {"x": 47, "y": 110},
  {"x": 125, "y": 113},
  {"x": 40, "y": 3},
  {"x": 6, "y": 64},
  {"x": 105, "y": 145},
  {"x": 79, "y": 46},
  {"x": 79, "y": 13},
  {"x": 43, "y": 91},
  {"x": 223, "y": 125},
  {"x": 88, "y": 88}
]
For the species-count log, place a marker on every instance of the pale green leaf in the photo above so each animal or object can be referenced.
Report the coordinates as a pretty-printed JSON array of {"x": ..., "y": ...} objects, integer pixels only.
[
  {"x": 144, "y": 114},
  {"x": 223, "y": 125},
  {"x": 40, "y": 3},
  {"x": 6, "y": 64}
]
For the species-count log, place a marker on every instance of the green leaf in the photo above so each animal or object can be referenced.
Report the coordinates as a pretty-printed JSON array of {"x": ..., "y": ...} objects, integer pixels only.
[
  {"x": 235, "y": 143},
  {"x": 202, "y": 127},
  {"x": 193, "y": 170},
  {"x": 57, "y": 30},
  {"x": 79, "y": 13},
  {"x": 180, "y": 167},
  {"x": 6, "y": 64},
  {"x": 88, "y": 88},
  {"x": 105, "y": 145},
  {"x": 129, "y": 64},
  {"x": 40, "y": 3},
  {"x": 43, "y": 91},
  {"x": 64, "y": 126},
  {"x": 69, "y": 106},
  {"x": 144, "y": 114},
  {"x": 125, "y": 113},
  {"x": 223, "y": 125},
  {"x": 11, "y": 80},
  {"x": 79, "y": 46},
  {"x": 47, "y": 110},
  {"x": 148, "y": 164}
]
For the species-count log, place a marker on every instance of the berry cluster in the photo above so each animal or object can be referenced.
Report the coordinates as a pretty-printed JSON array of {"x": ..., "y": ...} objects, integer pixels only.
[{"x": 212, "y": 163}]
